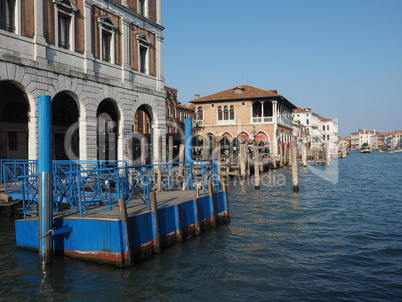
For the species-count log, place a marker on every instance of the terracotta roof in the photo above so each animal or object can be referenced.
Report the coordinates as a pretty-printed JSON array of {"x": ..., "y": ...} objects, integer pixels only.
[
  {"x": 239, "y": 92},
  {"x": 324, "y": 119},
  {"x": 188, "y": 107},
  {"x": 301, "y": 110}
]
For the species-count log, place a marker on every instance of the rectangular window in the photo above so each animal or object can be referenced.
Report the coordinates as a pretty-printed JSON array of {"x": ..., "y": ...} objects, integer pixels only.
[
  {"x": 64, "y": 31},
  {"x": 328, "y": 137},
  {"x": 143, "y": 59},
  {"x": 323, "y": 128},
  {"x": 243, "y": 104},
  {"x": 141, "y": 8},
  {"x": 323, "y": 137},
  {"x": 7, "y": 15},
  {"x": 307, "y": 121},
  {"x": 106, "y": 41},
  {"x": 327, "y": 127}
]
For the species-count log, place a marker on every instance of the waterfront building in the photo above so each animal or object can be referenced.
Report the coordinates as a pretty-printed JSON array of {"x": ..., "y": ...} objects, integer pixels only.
[
  {"x": 329, "y": 133},
  {"x": 176, "y": 113},
  {"x": 377, "y": 141},
  {"x": 246, "y": 112},
  {"x": 311, "y": 122},
  {"x": 101, "y": 63},
  {"x": 394, "y": 140},
  {"x": 361, "y": 137}
]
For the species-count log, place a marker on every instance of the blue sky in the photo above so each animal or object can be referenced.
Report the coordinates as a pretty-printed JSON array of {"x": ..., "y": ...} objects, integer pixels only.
[{"x": 341, "y": 58}]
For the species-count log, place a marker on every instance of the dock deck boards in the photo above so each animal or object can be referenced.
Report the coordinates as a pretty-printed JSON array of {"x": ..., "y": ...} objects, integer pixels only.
[{"x": 135, "y": 207}]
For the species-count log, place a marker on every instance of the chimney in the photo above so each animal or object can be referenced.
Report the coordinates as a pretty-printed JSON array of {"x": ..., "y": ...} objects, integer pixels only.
[{"x": 196, "y": 96}]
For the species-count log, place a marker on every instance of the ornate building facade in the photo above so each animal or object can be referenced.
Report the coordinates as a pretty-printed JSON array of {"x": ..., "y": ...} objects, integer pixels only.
[
  {"x": 99, "y": 61},
  {"x": 246, "y": 112}
]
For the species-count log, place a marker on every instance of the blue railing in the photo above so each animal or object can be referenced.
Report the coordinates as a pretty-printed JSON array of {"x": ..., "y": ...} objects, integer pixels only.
[{"x": 76, "y": 189}]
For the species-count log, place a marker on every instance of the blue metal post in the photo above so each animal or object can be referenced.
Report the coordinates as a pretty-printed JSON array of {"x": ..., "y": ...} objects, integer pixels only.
[
  {"x": 188, "y": 139},
  {"x": 188, "y": 149},
  {"x": 45, "y": 193}
]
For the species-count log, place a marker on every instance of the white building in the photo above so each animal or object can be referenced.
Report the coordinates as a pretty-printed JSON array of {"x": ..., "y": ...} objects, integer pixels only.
[
  {"x": 311, "y": 122},
  {"x": 361, "y": 137},
  {"x": 101, "y": 63},
  {"x": 329, "y": 133}
]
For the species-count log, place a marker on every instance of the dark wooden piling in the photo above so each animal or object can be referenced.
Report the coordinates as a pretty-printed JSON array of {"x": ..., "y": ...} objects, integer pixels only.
[
  {"x": 154, "y": 210},
  {"x": 123, "y": 215}
]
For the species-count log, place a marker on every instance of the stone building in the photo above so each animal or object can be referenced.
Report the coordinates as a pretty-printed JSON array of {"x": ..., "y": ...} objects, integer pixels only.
[
  {"x": 176, "y": 113},
  {"x": 246, "y": 112},
  {"x": 100, "y": 61}
]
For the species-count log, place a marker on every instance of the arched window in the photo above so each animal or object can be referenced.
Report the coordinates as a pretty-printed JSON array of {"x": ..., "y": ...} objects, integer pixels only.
[
  {"x": 225, "y": 113},
  {"x": 219, "y": 113},
  {"x": 232, "y": 112},
  {"x": 174, "y": 113},
  {"x": 200, "y": 114},
  {"x": 168, "y": 112}
]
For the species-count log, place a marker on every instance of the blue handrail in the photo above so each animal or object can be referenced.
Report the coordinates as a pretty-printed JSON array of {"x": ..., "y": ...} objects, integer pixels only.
[{"x": 79, "y": 188}]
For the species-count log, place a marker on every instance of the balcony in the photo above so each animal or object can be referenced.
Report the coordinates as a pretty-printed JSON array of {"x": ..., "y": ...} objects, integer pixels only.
[{"x": 264, "y": 119}]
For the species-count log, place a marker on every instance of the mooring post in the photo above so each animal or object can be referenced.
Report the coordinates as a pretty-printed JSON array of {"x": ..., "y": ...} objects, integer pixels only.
[
  {"x": 45, "y": 190},
  {"x": 256, "y": 168},
  {"x": 211, "y": 202},
  {"x": 154, "y": 210},
  {"x": 328, "y": 155},
  {"x": 285, "y": 154},
  {"x": 280, "y": 154},
  {"x": 242, "y": 161},
  {"x": 343, "y": 150},
  {"x": 143, "y": 151},
  {"x": 304, "y": 155},
  {"x": 171, "y": 148},
  {"x": 295, "y": 173},
  {"x": 123, "y": 215}
]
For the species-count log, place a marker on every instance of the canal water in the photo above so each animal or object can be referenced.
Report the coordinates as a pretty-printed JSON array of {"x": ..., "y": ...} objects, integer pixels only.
[{"x": 337, "y": 240}]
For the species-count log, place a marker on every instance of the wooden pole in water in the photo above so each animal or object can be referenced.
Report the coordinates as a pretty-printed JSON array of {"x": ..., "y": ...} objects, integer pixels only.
[
  {"x": 154, "y": 210},
  {"x": 285, "y": 154},
  {"x": 290, "y": 156},
  {"x": 171, "y": 148},
  {"x": 295, "y": 173},
  {"x": 304, "y": 155},
  {"x": 211, "y": 203},
  {"x": 123, "y": 215},
  {"x": 280, "y": 155},
  {"x": 242, "y": 160},
  {"x": 328, "y": 155},
  {"x": 143, "y": 151},
  {"x": 256, "y": 168},
  {"x": 343, "y": 150}
]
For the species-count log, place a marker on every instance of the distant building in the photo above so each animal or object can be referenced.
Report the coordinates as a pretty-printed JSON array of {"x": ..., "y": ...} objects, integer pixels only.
[
  {"x": 393, "y": 141},
  {"x": 361, "y": 137},
  {"x": 246, "y": 112},
  {"x": 310, "y": 121},
  {"x": 329, "y": 133}
]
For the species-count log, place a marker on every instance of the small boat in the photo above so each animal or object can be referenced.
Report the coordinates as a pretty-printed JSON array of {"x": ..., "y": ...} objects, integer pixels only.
[
  {"x": 365, "y": 150},
  {"x": 391, "y": 151},
  {"x": 399, "y": 150},
  {"x": 381, "y": 151}
]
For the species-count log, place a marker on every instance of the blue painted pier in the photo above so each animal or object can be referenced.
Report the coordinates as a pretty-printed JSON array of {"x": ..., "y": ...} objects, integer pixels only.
[{"x": 114, "y": 213}]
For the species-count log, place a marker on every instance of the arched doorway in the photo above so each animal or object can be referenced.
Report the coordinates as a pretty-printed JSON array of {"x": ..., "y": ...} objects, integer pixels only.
[
  {"x": 107, "y": 130},
  {"x": 65, "y": 113},
  {"x": 14, "y": 111},
  {"x": 143, "y": 126}
]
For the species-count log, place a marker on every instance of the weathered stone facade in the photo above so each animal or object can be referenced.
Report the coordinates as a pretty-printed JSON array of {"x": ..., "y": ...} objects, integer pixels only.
[{"x": 81, "y": 83}]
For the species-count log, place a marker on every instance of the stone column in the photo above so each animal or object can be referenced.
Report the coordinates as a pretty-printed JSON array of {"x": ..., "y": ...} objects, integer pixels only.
[
  {"x": 39, "y": 39},
  {"x": 125, "y": 66},
  {"x": 88, "y": 55},
  {"x": 159, "y": 62}
]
